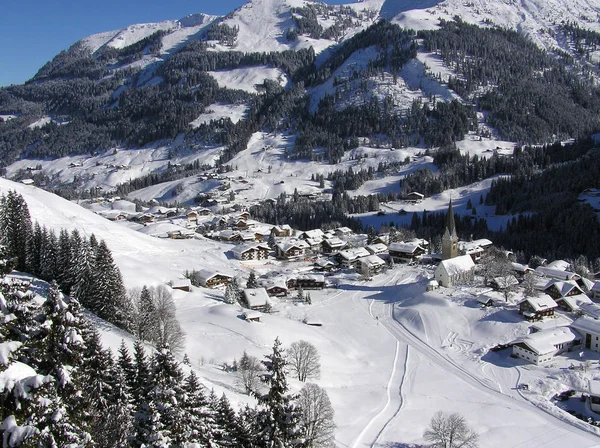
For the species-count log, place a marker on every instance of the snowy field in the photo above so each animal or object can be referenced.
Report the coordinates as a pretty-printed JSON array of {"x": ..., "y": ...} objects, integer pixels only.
[
  {"x": 392, "y": 354},
  {"x": 248, "y": 78}
]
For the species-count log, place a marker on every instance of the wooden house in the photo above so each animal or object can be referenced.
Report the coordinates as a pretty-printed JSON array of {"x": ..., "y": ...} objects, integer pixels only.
[
  {"x": 574, "y": 302},
  {"x": 371, "y": 265},
  {"x": 558, "y": 289},
  {"x": 350, "y": 258},
  {"x": 184, "y": 284},
  {"x": 211, "y": 279},
  {"x": 536, "y": 308},
  {"x": 257, "y": 299},
  {"x": 324, "y": 264},
  {"x": 306, "y": 281},
  {"x": 406, "y": 251},
  {"x": 251, "y": 252},
  {"x": 377, "y": 248},
  {"x": 590, "y": 330},
  {"x": 333, "y": 245},
  {"x": 291, "y": 249},
  {"x": 414, "y": 197}
]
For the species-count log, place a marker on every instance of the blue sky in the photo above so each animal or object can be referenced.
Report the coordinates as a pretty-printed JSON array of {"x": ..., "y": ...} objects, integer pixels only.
[{"x": 32, "y": 32}]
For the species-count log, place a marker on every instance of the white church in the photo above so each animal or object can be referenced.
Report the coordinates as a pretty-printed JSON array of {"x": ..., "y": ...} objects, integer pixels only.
[{"x": 453, "y": 269}]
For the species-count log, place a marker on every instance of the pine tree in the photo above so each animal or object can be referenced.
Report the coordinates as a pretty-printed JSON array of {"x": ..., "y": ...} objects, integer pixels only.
[
  {"x": 231, "y": 294},
  {"x": 15, "y": 223},
  {"x": 198, "y": 421},
  {"x": 252, "y": 283},
  {"x": 34, "y": 250},
  {"x": 64, "y": 260},
  {"x": 144, "y": 412},
  {"x": 83, "y": 269},
  {"x": 146, "y": 328},
  {"x": 50, "y": 269},
  {"x": 278, "y": 418}
]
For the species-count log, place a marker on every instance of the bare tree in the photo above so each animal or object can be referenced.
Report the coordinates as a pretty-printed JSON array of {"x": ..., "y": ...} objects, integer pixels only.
[
  {"x": 249, "y": 372},
  {"x": 304, "y": 360},
  {"x": 450, "y": 431},
  {"x": 317, "y": 416},
  {"x": 528, "y": 285}
]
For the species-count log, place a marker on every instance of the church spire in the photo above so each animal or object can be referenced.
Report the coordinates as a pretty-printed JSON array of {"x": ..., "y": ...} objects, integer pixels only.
[{"x": 450, "y": 238}]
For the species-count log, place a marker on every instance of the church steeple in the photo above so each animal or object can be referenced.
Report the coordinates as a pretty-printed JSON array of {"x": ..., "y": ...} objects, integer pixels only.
[{"x": 450, "y": 238}]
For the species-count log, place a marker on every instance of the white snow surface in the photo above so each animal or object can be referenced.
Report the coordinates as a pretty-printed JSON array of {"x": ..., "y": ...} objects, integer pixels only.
[
  {"x": 392, "y": 354},
  {"x": 248, "y": 77},
  {"x": 235, "y": 112}
]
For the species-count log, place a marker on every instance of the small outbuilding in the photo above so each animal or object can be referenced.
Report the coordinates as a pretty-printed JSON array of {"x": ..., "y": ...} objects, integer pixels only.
[{"x": 183, "y": 284}]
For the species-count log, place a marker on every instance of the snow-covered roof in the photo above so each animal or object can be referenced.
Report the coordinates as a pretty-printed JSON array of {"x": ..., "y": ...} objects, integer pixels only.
[
  {"x": 458, "y": 265},
  {"x": 319, "y": 278},
  {"x": 596, "y": 287},
  {"x": 334, "y": 242},
  {"x": 594, "y": 388},
  {"x": 372, "y": 261},
  {"x": 206, "y": 274},
  {"x": 587, "y": 325},
  {"x": 541, "y": 302},
  {"x": 575, "y": 302},
  {"x": 590, "y": 309},
  {"x": 256, "y": 297},
  {"x": 522, "y": 268},
  {"x": 324, "y": 262},
  {"x": 483, "y": 242},
  {"x": 406, "y": 248},
  {"x": 241, "y": 248},
  {"x": 559, "y": 264},
  {"x": 558, "y": 321},
  {"x": 376, "y": 248},
  {"x": 544, "y": 342},
  {"x": 285, "y": 246},
  {"x": 470, "y": 247},
  {"x": 556, "y": 273},
  {"x": 354, "y": 253},
  {"x": 181, "y": 283},
  {"x": 564, "y": 287},
  {"x": 506, "y": 281},
  {"x": 344, "y": 230},
  {"x": 587, "y": 284},
  {"x": 315, "y": 233}
]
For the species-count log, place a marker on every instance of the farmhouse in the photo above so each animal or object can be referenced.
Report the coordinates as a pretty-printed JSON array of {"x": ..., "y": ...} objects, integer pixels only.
[
  {"x": 414, "y": 196},
  {"x": 377, "y": 248},
  {"x": 455, "y": 271},
  {"x": 307, "y": 281},
  {"x": 556, "y": 273},
  {"x": 291, "y": 249},
  {"x": 573, "y": 303},
  {"x": 282, "y": 231},
  {"x": 406, "y": 251},
  {"x": 324, "y": 264},
  {"x": 558, "y": 289},
  {"x": 349, "y": 258},
  {"x": 542, "y": 346},
  {"x": 316, "y": 234},
  {"x": 332, "y": 245},
  {"x": 535, "y": 308},
  {"x": 257, "y": 299},
  {"x": 276, "y": 287},
  {"x": 521, "y": 269},
  {"x": 251, "y": 252},
  {"x": 184, "y": 284},
  {"x": 211, "y": 279},
  {"x": 590, "y": 330}
]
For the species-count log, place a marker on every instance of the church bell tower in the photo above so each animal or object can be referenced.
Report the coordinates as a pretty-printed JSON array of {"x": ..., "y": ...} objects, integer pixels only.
[{"x": 450, "y": 238}]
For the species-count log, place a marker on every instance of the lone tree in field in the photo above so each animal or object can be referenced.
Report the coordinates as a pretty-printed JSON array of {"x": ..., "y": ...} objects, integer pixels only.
[
  {"x": 317, "y": 417},
  {"x": 450, "y": 431},
  {"x": 249, "y": 371},
  {"x": 304, "y": 360}
]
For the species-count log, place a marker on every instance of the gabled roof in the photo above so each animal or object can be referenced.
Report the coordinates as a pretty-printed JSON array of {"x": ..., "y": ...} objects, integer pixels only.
[
  {"x": 376, "y": 248},
  {"x": 354, "y": 254},
  {"x": 587, "y": 325},
  {"x": 457, "y": 265},
  {"x": 315, "y": 233},
  {"x": 324, "y": 262},
  {"x": 334, "y": 242},
  {"x": 206, "y": 274},
  {"x": 545, "y": 341},
  {"x": 256, "y": 297},
  {"x": 372, "y": 261},
  {"x": 564, "y": 287},
  {"x": 541, "y": 302},
  {"x": 405, "y": 248},
  {"x": 242, "y": 248},
  {"x": 181, "y": 283},
  {"x": 556, "y": 273},
  {"x": 574, "y": 302}
]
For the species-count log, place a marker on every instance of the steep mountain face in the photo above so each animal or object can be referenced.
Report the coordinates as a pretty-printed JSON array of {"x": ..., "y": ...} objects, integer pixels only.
[{"x": 330, "y": 74}]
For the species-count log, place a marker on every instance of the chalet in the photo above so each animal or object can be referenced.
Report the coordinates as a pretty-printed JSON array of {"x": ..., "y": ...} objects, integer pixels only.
[
  {"x": 211, "y": 279},
  {"x": 306, "y": 281},
  {"x": 332, "y": 245},
  {"x": 257, "y": 299},
  {"x": 192, "y": 216},
  {"x": 276, "y": 287},
  {"x": 383, "y": 239},
  {"x": 371, "y": 265},
  {"x": 376, "y": 248},
  {"x": 556, "y": 273},
  {"x": 543, "y": 346},
  {"x": 247, "y": 236},
  {"x": 596, "y": 291},
  {"x": 231, "y": 236},
  {"x": 252, "y": 316},
  {"x": 585, "y": 284},
  {"x": 471, "y": 249},
  {"x": 349, "y": 258},
  {"x": 343, "y": 231},
  {"x": 314, "y": 244},
  {"x": 180, "y": 234},
  {"x": 240, "y": 224},
  {"x": 291, "y": 249},
  {"x": 558, "y": 289},
  {"x": 244, "y": 215},
  {"x": 414, "y": 196},
  {"x": 218, "y": 222},
  {"x": 558, "y": 321},
  {"x": 490, "y": 298},
  {"x": 594, "y": 394},
  {"x": 536, "y": 308},
  {"x": 251, "y": 252},
  {"x": 484, "y": 243},
  {"x": 316, "y": 234},
  {"x": 324, "y": 264},
  {"x": 573, "y": 303},
  {"x": 520, "y": 270},
  {"x": 406, "y": 251},
  {"x": 204, "y": 212},
  {"x": 184, "y": 284},
  {"x": 281, "y": 231},
  {"x": 455, "y": 271}
]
